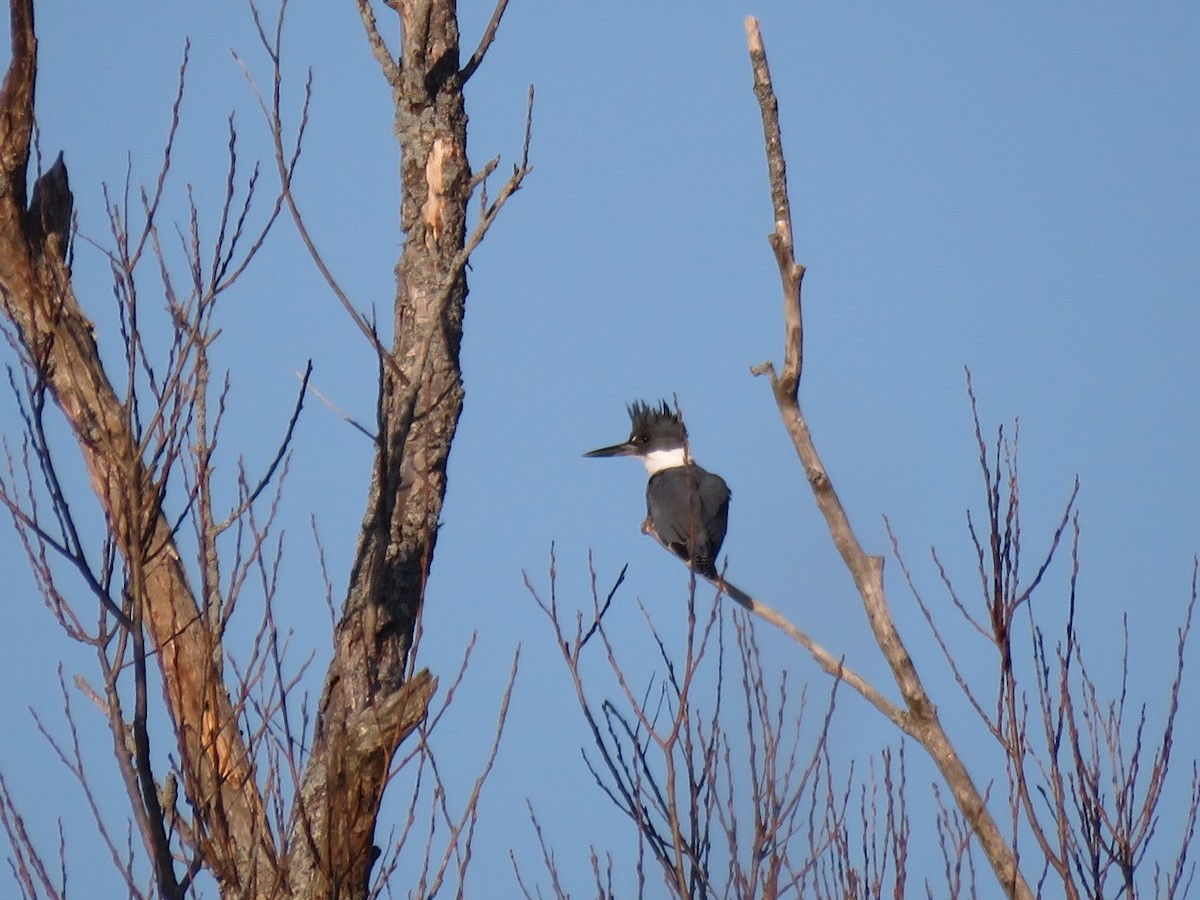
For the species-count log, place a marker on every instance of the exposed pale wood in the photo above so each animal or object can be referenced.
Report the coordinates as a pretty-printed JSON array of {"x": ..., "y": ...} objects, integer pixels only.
[
  {"x": 921, "y": 719},
  {"x": 421, "y": 395},
  {"x": 373, "y": 697},
  {"x": 38, "y": 298}
]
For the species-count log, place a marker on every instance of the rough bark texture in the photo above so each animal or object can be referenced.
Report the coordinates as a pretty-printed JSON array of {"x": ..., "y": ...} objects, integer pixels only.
[
  {"x": 36, "y": 291},
  {"x": 369, "y": 704},
  {"x": 371, "y": 700},
  {"x": 920, "y": 719}
]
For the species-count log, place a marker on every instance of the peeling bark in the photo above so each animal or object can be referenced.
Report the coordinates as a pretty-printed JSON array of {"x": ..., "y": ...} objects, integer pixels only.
[
  {"x": 57, "y": 337},
  {"x": 419, "y": 406},
  {"x": 372, "y": 699}
]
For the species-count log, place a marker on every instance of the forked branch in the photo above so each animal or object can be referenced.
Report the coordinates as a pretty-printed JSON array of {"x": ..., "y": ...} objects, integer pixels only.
[
  {"x": 920, "y": 720},
  {"x": 126, "y": 468},
  {"x": 831, "y": 664}
]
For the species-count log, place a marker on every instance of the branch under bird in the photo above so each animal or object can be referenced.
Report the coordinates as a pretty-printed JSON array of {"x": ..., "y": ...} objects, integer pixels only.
[{"x": 687, "y": 506}]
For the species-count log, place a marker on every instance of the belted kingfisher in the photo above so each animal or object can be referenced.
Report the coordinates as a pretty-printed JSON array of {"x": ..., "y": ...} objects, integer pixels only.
[{"x": 687, "y": 505}]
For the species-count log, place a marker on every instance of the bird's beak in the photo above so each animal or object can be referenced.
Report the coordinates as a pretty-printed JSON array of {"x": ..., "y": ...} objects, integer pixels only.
[{"x": 625, "y": 449}]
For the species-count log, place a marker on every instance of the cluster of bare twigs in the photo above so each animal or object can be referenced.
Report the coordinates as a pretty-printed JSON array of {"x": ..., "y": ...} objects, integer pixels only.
[
  {"x": 1085, "y": 785},
  {"x": 1087, "y": 782},
  {"x": 239, "y": 776},
  {"x": 159, "y": 444},
  {"x": 729, "y": 791}
]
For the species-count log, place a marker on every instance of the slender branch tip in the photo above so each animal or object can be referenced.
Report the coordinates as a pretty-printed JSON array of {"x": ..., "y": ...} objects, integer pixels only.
[{"x": 753, "y": 35}]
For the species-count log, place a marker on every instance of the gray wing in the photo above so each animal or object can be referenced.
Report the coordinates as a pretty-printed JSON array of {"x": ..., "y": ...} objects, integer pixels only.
[
  {"x": 690, "y": 511},
  {"x": 714, "y": 506}
]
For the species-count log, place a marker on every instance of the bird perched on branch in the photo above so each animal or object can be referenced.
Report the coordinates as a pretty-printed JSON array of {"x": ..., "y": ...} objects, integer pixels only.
[
  {"x": 49, "y": 214},
  {"x": 687, "y": 506}
]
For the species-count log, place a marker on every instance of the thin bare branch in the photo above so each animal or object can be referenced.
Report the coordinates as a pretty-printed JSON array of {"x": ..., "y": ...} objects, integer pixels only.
[
  {"x": 379, "y": 48},
  {"x": 335, "y": 409},
  {"x": 485, "y": 42},
  {"x": 867, "y": 570},
  {"x": 832, "y": 665},
  {"x": 286, "y": 166}
]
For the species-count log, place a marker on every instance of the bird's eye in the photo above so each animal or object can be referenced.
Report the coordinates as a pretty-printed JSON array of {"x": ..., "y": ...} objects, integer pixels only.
[{"x": 639, "y": 439}]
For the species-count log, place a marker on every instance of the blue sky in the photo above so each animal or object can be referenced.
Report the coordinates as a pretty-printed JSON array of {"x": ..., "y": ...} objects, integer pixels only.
[{"x": 1011, "y": 189}]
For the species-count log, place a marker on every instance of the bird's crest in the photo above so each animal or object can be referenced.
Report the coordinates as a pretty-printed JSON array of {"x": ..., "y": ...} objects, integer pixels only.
[{"x": 645, "y": 419}]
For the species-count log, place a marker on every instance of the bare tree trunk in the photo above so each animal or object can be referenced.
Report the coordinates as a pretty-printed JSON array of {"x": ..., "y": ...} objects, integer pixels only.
[
  {"x": 919, "y": 719},
  {"x": 37, "y": 295},
  {"x": 372, "y": 698},
  {"x": 370, "y": 703},
  {"x": 421, "y": 393}
]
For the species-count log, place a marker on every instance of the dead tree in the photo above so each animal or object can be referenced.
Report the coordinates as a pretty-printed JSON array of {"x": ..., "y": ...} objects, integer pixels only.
[
  {"x": 1070, "y": 838},
  {"x": 144, "y": 430},
  {"x": 1078, "y": 794}
]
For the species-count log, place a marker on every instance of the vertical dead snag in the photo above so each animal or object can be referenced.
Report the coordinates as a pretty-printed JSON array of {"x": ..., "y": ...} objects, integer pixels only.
[
  {"x": 57, "y": 339},
  {"x": 921, "y": 719},
  {"x": 373, "y": 699},
  {"x": 370, "y": 703}
]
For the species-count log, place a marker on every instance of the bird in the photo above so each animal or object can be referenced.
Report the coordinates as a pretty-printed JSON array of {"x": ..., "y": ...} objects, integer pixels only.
[
  {"x": 687, "y": 506},
  {"x": 49, "y": 213}
]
